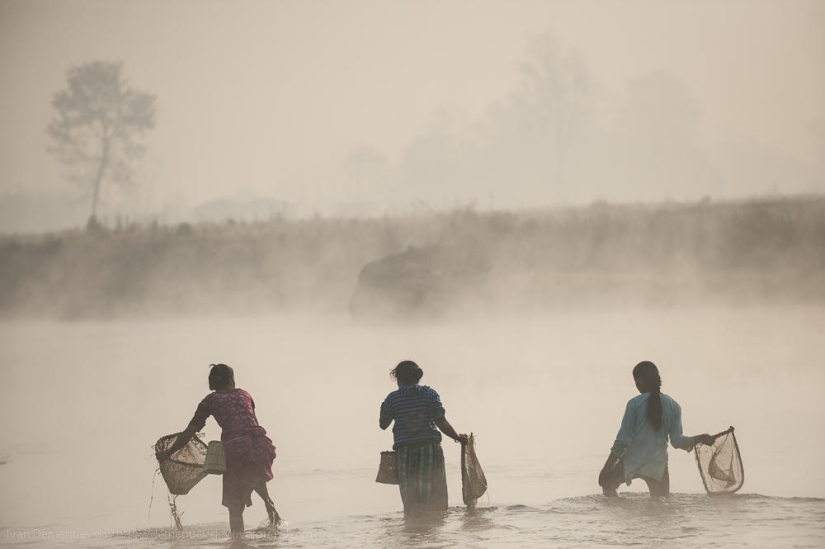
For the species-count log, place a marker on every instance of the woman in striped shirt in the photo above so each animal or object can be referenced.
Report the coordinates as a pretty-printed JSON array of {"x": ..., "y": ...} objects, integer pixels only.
[{"x": 418, "y": 415}]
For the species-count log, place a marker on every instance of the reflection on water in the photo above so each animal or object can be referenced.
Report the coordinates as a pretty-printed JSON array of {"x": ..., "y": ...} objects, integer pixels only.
[
  {"x": 683, "y": 520},
  {"x": 82, "y": 404}
]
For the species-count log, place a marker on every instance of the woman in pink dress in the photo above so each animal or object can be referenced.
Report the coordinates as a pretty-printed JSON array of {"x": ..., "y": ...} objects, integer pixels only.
[{"x": 249, "y": 452}]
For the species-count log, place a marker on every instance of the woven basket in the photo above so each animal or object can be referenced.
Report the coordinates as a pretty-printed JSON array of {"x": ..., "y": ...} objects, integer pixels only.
[
  {"x": 388, "y": 469},
  {"x": 215, "y": 463}
]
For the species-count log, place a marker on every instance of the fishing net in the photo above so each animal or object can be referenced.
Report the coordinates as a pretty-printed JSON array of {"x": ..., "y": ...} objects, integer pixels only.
[
  {"x": 720, "y": 464},
  {"x": 473, "y": 481},
  {"x": 184, "y": 469}
]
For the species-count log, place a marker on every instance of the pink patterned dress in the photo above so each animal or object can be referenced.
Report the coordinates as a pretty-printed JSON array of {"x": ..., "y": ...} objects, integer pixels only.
[{"x": 249, "y": 452}]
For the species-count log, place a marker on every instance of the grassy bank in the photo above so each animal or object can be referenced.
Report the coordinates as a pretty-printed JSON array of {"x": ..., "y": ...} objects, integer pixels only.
[{"x": 666, "y": 255}]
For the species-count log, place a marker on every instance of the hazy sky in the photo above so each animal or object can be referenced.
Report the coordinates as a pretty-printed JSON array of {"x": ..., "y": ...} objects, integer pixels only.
[{"x": 253, "y": 95}]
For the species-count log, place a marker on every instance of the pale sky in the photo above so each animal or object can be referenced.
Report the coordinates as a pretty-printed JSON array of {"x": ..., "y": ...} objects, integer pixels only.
[{"x": 254, "y": 95}]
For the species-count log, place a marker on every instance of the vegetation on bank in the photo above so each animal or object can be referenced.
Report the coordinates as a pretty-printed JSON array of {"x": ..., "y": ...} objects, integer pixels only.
[{"x": 765, "y": 251}]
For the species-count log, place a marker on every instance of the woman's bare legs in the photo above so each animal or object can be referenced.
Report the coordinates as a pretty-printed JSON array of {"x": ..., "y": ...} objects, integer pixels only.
[
  {"x": 236, "y": 520},
  {"x": 659, "y": 488},
  {"x": 274, "y": 517},
  {"x": 612, "y": 479}
]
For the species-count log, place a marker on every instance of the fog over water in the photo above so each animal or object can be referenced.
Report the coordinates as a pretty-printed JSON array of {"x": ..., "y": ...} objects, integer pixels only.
[
  {"x": 526, "y": 198},
  {"x": 544, "y": 396}
]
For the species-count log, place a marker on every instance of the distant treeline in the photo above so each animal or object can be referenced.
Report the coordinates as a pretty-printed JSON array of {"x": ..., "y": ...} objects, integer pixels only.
[{"x": 753, "y": 252}]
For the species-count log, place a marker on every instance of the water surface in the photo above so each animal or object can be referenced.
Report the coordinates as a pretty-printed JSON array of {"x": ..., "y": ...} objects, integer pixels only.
[{"x": 82, "y": 404}]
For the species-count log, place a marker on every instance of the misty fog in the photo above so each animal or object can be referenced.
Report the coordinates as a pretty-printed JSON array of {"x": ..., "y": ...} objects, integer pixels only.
[
  {"x": 457, "y": 264},
  {"x": 525, "y": 198},
  {"x": 291, "y": 111}
]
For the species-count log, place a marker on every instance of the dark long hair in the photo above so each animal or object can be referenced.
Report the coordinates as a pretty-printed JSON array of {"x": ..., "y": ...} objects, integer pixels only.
[
  {"x": 221, "y": 376},
  {"x": 648, "y": 371}
]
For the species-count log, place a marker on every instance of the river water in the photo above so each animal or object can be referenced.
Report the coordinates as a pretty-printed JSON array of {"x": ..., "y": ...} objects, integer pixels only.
[{"x": 82, "y": 403}]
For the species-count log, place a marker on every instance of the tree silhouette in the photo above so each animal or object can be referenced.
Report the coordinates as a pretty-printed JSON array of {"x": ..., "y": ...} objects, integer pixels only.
[
  {"x": 557, "y": 88},
  {"x": 98, "y": 126}
]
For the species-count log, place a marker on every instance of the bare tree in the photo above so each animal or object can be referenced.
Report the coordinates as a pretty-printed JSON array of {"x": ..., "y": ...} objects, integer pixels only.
[
  {"x": 99, "y": 124},
  {"x": 558, "y": 87}
]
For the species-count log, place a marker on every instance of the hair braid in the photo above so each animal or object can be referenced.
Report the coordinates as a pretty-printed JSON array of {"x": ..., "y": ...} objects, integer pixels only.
[{"x": 648, "y": 371}]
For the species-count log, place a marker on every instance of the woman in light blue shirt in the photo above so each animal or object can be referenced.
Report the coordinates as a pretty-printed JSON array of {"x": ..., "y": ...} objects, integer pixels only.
[{"x": 640, "y": 450}]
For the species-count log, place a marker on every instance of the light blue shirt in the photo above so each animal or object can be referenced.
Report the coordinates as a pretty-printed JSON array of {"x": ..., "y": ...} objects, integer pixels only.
[{"x": 643, "y": 448}]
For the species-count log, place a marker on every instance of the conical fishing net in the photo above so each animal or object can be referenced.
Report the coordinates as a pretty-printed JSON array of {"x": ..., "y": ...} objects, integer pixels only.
[
  {"x": 473, "y": 481},
  {"x": 184, "y": 469},
  {"x": 720, "y": 464}
]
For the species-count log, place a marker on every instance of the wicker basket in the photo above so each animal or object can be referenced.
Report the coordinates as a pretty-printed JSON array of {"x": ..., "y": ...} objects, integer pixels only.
[
  {"x": 388, "y": 469},
  {"x": 215, "y": 463}
]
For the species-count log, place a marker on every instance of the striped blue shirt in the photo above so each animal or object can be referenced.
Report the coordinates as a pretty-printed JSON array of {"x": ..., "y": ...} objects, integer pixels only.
[{"x": 415, "y": 409}]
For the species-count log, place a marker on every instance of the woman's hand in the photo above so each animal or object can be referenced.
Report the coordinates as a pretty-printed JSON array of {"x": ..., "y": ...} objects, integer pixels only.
[
  {"x": 607, "y": 469},
  {"x": 182, "y": 440},
  {"x": 704, "y": 438},
  {"x": 448, "y": 430},
  {"x": 604, "y": 475}
]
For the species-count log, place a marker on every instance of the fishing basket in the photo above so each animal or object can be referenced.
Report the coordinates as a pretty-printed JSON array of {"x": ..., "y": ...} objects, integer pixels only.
[
  {"x": 215, "y": 462},
  {"x": 388, "y": 468}
]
